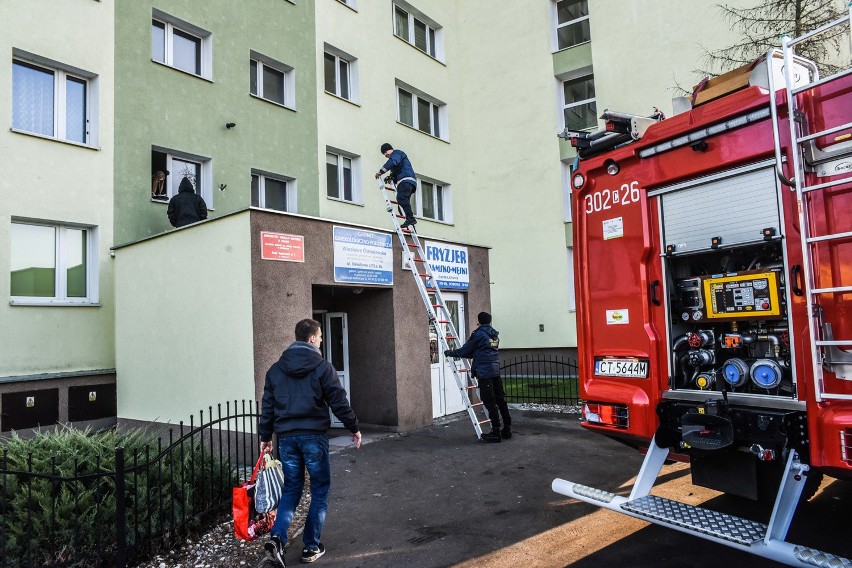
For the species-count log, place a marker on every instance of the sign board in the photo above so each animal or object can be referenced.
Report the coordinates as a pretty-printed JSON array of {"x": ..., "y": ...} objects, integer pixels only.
[
  {"x": 362, "y": 257},
  {"x": 280, "y": 246},
  {"x": 449, "y": 264}
]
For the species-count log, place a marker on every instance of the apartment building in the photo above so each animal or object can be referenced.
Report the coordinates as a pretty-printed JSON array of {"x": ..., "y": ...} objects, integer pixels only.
[{"x": 57, "y": 360}]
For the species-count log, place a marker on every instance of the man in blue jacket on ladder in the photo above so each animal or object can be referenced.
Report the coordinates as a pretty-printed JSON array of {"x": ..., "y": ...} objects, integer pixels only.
[
  {"x": 403, "y": 175},
  {"x": 483, "y": 348}
]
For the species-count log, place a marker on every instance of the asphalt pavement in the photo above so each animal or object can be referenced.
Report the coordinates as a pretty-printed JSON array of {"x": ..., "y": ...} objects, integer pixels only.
[{"x": 438, "y": 497}]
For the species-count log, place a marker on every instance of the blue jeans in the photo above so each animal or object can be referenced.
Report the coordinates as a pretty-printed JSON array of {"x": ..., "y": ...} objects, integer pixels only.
[{"x": 297, "y": 453}]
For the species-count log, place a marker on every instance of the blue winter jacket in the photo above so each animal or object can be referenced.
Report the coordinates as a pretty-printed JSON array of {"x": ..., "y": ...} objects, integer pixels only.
[
  {"x": 482, "y": 347},
  {"x": 400, "y": 167},
  {"x": 299, "y": 390}
]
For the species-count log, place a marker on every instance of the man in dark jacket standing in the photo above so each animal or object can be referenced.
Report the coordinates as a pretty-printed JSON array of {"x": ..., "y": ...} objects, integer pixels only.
[
  {"x": 483, "y": 348},
  {"x": 299, "y": 390},
  {"x": 187, "y": 206},
  {"x": 404, "y": 177}
]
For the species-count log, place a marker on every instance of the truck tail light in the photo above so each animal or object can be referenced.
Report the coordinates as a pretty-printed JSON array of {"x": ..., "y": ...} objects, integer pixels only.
[
  {"x": 846, "y": 445},
  {"x": 607, "y": 414}
]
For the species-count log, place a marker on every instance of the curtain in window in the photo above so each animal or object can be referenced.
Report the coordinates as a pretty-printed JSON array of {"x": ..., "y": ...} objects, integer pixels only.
[
  {"x": 406, "y": 112},
  {"x": 424, "y": 115},
  {"x": 273, "y": 85},
  {"x": 32, "y": 99},
  {"x": 420, "y": 35},
  {"x": 186, "y": 52},
  {"x": 401, "y": 23},
  {"x": 330, "y": 75},
  {"x": 75, "y": 110},
  {"x": 428, "y": 199}
]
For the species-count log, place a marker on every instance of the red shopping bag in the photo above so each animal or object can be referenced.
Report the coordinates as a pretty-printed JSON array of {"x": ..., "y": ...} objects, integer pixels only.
[{"x": 248, "y": 523}]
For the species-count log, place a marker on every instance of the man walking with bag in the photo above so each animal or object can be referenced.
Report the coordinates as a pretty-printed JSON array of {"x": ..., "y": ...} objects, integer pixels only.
[{"x": 299, "y": 390}]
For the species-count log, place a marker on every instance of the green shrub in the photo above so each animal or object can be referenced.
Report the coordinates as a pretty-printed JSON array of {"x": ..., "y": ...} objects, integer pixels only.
[{"x": 70, "y": 522}]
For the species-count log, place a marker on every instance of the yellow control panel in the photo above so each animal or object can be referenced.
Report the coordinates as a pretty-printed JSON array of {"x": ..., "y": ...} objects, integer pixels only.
[{"x": 742, "y": 295}]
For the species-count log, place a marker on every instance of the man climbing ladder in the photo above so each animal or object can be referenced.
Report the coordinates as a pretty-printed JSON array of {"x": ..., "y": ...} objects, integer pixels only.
[
  {"x": 404, "y": 177},
  {"x": 438, "y": 313}
]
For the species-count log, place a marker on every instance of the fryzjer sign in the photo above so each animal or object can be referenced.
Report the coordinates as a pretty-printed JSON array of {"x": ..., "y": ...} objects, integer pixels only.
[
  {"x": 449, "y": 264},
  {"x": 362, "y": 257}
]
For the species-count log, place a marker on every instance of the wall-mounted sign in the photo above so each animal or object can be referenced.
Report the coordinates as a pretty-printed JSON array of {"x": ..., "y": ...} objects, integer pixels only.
[
  {"x": 362, "y": 257},
  {"x": 449, "y": 264},
  {"x": 280, "y": 246}
]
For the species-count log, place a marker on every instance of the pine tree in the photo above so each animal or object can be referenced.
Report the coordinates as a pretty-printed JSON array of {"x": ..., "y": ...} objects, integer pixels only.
[{"x": 762, "y": 26}]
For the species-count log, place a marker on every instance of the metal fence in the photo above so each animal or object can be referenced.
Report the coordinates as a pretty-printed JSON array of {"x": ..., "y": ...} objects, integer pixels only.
[
  {"x": 116, "y": 508},
  {"x": 541, "y": 380}
]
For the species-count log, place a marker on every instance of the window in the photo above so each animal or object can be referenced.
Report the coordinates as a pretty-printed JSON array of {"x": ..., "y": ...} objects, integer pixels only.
[
  {"x": 432, "y": 201},
  {"x": 341, "y": 74},
  {"x": 415, "y": 28},
  {"x": 181, "y": 45},
  {"x": 272, "y": 80},
  {"x": 169, "y": 167},
  {"x": 342, "y": 174},
  {"x": 53, "y": 100},
  {"x": 350, "y": 3},
  {"x": 579, "y": 109},
  {"x": 272, "y": 192},
  {"x": 421, "y": 112},
  {"x": 53, "y": 264},
  {"x": 572, "y": 23},
  {"x": 572, "y": 294}
]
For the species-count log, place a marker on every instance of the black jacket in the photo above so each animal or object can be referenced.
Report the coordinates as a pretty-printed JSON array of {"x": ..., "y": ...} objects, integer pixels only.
[
  {"x": 482, "y": 347},
  {"x": 299, "y": 390},
  {"x": 187, "y": 206}
]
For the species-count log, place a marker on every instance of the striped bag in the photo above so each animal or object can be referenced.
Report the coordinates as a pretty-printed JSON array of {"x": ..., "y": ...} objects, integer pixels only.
[{"x": 269, "y": 486}]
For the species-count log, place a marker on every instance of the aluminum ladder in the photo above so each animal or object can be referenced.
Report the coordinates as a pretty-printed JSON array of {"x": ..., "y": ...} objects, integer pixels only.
[
  {"x": 826, "y": 350},
  {"x": 439, "y": 316}
]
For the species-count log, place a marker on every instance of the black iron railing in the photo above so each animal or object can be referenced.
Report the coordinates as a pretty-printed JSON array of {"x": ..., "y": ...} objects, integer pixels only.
[
  {"x": 113, "y": 509},
  {"x": 542, "y": 379}
]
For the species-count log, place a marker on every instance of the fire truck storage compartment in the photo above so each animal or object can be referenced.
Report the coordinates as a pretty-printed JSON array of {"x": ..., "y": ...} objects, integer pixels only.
[{"x": 724, "y": 265}]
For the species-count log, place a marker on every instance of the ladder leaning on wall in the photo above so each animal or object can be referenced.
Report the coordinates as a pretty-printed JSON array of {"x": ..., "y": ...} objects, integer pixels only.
[{"x": 439, "y": 315}]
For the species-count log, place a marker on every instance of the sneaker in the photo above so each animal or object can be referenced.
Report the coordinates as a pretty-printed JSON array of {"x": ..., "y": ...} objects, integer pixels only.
[
  {"x": 312, "y": 553},
  {"x": 275, "y": 551},
  {"x": 492, "y": 437},
  {"x": 506, "y": 432}
]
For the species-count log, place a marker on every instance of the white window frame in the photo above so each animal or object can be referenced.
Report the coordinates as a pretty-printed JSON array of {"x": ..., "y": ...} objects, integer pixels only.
[
  {"x": 434, "y": 30},
  {"x": 559, "y": 26},
  {"x": 436, "y": 106},
  {"x": 357, "y": 193},
  {"x": 206, "y": 186},
  {"x": 61, "y": 73},
  {"x": 291, "y": 189},
  {"x": 446, "y": 196},
  {"x": 352, "y": 67},
  {"x": 92, "y": 264},
  {"x": 566, "y": 190},
  {"x": 572, "y": 293},
  {"x": 205, "y": 38},
  {"x": 289, "y": 79},
  {"x": 566, "y": 105}
]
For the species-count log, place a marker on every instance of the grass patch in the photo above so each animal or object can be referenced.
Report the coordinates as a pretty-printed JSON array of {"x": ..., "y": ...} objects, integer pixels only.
[{"x": 541, "y": 389}]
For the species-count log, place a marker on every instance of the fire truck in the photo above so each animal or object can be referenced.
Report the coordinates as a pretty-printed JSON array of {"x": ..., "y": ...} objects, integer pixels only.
[{"x": 713, "y": 272}]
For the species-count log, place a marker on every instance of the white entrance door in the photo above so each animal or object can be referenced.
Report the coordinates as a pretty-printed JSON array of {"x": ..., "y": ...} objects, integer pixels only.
[
  {"x": 446, "y": 395},
  {"x": 335, "y": 349}
]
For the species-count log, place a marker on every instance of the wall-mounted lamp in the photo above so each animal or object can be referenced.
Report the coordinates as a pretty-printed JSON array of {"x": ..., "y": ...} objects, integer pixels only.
[
  {"x": 357, "y": 290},
  {"x": 222, "y": 186},
  {"x": 230, "y": 125},
  {"x": 611, "y": 167}
]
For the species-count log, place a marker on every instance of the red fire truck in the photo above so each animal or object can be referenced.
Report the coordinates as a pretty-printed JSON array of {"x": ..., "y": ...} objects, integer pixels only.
[{"x": 713, "y": 262}]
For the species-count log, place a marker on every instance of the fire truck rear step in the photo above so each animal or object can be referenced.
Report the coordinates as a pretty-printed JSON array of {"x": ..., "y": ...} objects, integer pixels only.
[{"x": 698, "y": 519}]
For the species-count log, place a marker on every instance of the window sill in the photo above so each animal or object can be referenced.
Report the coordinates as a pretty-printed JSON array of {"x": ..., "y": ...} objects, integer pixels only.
[
  {"x": 167, "y": 66},
  {"x": 48, "y": 302},
  {"x": 272, "y": 102},
  {"x": 344, "y": 99},
  {"x": 424, "y": 133},
  {"x": 54, "y": 139},
  {"x": 346, "y": 201},
  {"x": 447, "y": 223},
  {"x": 427, "y": 54},
  {"x": 572, "y": 46}
]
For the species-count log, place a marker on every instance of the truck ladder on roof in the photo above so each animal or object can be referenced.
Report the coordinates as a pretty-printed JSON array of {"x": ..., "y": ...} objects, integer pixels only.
[
  {"x": 827, "y": 352},
  {"x": 439, "y": 315}
]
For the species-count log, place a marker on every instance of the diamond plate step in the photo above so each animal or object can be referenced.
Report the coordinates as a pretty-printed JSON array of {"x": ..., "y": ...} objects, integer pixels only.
[
  {"x": 820, "y": 558},
  {"x": 592, "y": 493},
  {"x": 704, "y": 521}
]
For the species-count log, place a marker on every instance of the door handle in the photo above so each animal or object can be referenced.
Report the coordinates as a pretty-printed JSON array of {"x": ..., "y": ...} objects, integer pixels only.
[
  {"x": 655, "y": 285},
  {"x": 796, "y": 279}
]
